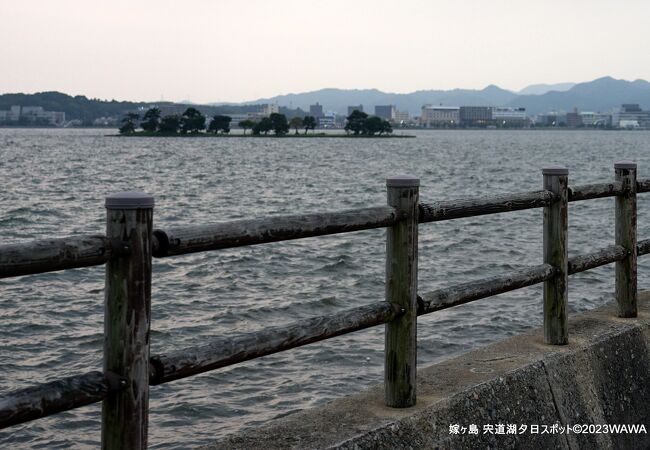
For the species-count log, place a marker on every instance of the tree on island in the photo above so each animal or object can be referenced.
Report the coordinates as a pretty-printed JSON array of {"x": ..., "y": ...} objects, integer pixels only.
[
  {"x": 263, "y": 126},
  {"x": 220, "y": 123},
  {"x": 295, "y": 122},
  {"x": 378, "y": 125},
  {"x": 128, "y": 123},
  {"x": 386, "y": 127},
  {"x": 246, "y": 124},
  {"x": 280, "y": 124},
  {"x": 360, "y": 124},
  {"x": 309, "y": 123},
  {"x": 170, "y": 124},
  {"x": 151, "y": 120},
  {"x": 192, "y": 121},
  {"x": 356, "y": 122}
]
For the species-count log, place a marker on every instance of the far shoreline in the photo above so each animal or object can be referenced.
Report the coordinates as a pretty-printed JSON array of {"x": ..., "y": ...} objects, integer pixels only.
[{"x": 262, "y": 136}]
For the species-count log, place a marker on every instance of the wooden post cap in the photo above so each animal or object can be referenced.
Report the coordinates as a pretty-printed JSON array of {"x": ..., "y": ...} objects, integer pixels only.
[
  {"x": 402, "y": 181},
  {"x": 129, "y": 200},
  {"x": 625, "y": 164},
  {"x": 555, "y": 170}
]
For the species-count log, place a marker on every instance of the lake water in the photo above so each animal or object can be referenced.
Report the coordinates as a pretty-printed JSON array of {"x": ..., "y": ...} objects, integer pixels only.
[{"x": 54, "y": 183}]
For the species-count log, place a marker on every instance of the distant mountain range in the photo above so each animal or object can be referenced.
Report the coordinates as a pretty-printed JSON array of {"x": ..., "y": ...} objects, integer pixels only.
[
  {"x": 601, "y": 94},
  {"x": 540, "y": 89}
]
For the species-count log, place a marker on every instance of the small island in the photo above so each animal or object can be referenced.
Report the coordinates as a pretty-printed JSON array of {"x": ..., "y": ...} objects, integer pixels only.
[{"x": 192, "y": 123}]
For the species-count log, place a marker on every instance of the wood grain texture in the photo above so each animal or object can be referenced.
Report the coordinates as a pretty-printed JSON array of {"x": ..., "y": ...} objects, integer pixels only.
[
  {"x": 555, "y": 231},
  {"x": 477, "y": 206},
  {"x": 229, "y": 350},
  {"x": 127, "y": 315},
  {"x": 601, "y": 257},
  {"x": 400, "y": 356},
  {"x": 50, "y": 398},
  {"x": 625, "y": 235},
  {"x": 49, "y": 255},
  {"x": 591, "y": 191},
  {"x": 475, "y": 290},
  {"x": 237, "y": 233}
]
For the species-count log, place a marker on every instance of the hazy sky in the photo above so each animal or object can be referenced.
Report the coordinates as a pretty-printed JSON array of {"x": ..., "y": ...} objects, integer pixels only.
[{"x": 221, "y": 50}]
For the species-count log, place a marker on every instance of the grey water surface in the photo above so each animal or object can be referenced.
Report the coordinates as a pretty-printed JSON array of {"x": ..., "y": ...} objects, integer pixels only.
[{"x": 53, "y": 184}]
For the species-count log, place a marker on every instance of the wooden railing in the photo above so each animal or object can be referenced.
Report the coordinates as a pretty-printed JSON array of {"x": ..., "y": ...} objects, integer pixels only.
[{"x": 130, "y": 243}]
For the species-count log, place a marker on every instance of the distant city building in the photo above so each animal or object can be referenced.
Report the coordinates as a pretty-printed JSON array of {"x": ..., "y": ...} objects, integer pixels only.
[
  {"x": 386, "y": 112},
  {"x": 475, "y": 116},
  {"x": 629, "y": 113},
  {"x": 509, "y": 117},
  {"x": 402, "y": 117},
  {"x": 352, "y": 108},
  {"x": 267, "y": 109},
  {"x": 327, "y": 121},
  {"x": 629, "y": 124},
  {"x": 316, "y": 110},
  {"x": 573, "y": 119},
  {"x": 32, "y": 115},
  {"x": 595, "y": 119},
  {"x": 551, "y": 119},
  {"x": 261, "y": 111},
  {"x": 436, "y": 116}
]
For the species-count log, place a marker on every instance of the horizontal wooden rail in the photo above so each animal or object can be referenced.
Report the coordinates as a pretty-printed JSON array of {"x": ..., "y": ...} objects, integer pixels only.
[
  {"x": 601, "y": 257},
  {"x": 478, "y": 206},
  {"x": 227, "y": 351},
  {"x": 591, "y": 191},
  {"x": 475, "y": 290},
  {"x": 49, "y": 255},
  {"x": 50, "y": 398},
  {"x": 239, "y": 233}
]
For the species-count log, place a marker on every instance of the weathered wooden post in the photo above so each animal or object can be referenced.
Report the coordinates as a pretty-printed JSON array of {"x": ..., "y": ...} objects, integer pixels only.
[
  {"x": 555, "y": 253},
  {"x": 626, "y": 237},
  {"x": 400, "y": 366},
  {"x": 127, "y": 311}
]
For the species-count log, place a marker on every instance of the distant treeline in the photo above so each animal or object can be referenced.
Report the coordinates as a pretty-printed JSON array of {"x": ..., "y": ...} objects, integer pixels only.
[
  {"x": 88, "y": 109},
  {"x": 192, "y": 121}
]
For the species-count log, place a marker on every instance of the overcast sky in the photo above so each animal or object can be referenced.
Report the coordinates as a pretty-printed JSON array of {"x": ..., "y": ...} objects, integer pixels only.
[{"x": 221, "y": 50}]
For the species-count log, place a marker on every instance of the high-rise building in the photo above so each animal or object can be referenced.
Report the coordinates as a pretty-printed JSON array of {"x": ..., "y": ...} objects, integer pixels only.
[
  {"x": 386, "y": 112},
  {"x": 316, "y": 110}
]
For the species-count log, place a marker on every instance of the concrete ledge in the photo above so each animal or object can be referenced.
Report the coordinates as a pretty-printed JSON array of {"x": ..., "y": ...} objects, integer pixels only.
[{"x": 601, "y": 377}]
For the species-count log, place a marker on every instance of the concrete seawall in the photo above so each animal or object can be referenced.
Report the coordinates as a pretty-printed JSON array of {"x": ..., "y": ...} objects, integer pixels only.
[{"x": 601, "y": 377}]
